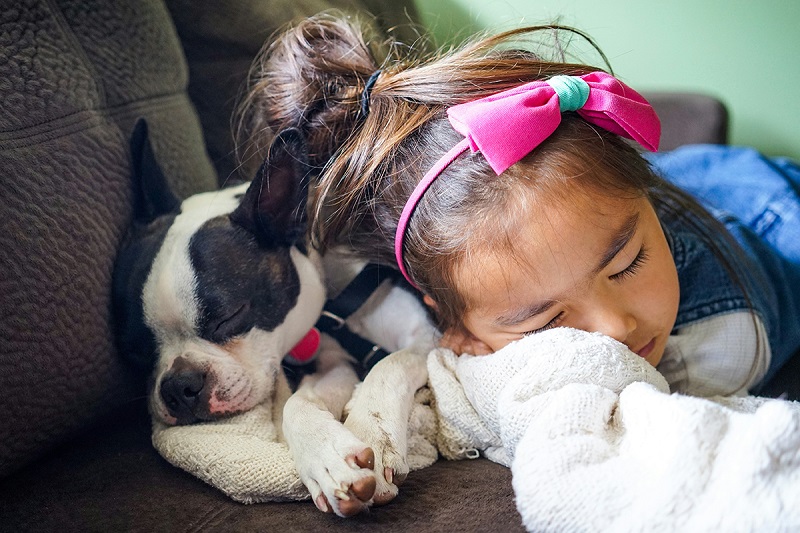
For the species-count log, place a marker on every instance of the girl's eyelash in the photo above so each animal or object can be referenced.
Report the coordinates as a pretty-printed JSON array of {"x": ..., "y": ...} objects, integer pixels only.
[
  {"x": 552, "y": 324},
  {"x": 630, "y": 270},
  {"x": 633, "y": 268}
]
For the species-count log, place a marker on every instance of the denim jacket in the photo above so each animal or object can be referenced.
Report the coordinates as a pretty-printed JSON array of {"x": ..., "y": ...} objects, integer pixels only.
[{"x": 757, "y": 200}]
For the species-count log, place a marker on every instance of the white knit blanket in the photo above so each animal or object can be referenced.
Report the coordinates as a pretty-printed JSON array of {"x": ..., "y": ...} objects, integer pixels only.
[
  {"x": 243, "y": 457},
  {"x": 595, "y": 442}
]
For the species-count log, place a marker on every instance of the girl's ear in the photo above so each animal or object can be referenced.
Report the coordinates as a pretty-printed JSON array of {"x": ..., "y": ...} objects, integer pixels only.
[
  {"x": 458, "y": 339},
  {"x": 461, "y": 341}
]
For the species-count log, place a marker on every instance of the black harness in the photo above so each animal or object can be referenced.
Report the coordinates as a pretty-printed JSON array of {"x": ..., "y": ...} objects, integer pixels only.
[
  {"x": 333, "y": 321},
  {"x": 337, "y": 310}
]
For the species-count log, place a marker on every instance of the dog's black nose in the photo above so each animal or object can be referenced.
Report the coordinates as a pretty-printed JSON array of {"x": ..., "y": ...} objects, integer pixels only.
[{"x": 180, "y": 391}]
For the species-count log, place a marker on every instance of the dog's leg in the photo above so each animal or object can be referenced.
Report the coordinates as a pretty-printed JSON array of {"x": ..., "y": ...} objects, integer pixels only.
[
  {"x": 379, "y": 416},
  {"x": 335, "y": 466}
]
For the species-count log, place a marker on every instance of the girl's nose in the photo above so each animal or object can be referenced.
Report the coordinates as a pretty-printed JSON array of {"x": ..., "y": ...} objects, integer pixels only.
[
  {"x": 610, "y": 317},
  {"x": 617, "y": 325}
]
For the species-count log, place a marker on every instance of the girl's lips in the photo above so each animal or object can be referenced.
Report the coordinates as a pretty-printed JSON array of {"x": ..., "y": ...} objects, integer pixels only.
[{"x": 644, "y": 352}]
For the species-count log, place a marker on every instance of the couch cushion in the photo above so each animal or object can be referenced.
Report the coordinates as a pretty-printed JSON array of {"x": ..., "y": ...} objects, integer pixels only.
[
  {"x": 74, "y": 76},
  {"x": 689, "y": 118}
]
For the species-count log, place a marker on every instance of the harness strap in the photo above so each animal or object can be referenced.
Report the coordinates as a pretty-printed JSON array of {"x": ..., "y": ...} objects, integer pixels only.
[{"x": 338, "y": 310}]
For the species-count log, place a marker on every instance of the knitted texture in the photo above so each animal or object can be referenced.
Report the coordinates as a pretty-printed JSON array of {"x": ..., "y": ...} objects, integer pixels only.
[
  {"x": 244, "y": 457},
  {"x": 595, "y": 442},
  {"x": 241, "y": 456}
]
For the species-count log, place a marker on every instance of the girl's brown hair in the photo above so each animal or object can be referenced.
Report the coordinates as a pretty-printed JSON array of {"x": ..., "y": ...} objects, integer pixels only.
[{"x": 313, "y": 76}]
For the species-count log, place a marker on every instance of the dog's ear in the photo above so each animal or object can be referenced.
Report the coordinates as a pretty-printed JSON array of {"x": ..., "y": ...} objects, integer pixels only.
[
  {"x": 153, "y": 196},
  {"x": 274, "y": 206}
]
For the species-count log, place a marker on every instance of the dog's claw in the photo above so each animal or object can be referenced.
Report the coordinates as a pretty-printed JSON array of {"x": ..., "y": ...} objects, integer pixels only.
[
  {"x": 322, "y": 503},
  {"x": 393, "y": 477}
]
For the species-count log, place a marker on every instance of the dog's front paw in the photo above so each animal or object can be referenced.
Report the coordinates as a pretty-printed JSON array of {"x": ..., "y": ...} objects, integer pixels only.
[
  {"x": 338, "y": 471},
  {"x": 390, "y": 466},
  {"x": 350, "y": 498},
  {"x": 378, "y": 415}
]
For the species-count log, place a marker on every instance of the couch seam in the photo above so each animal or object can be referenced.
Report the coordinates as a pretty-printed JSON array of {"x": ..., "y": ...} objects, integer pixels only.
[{"x": 68, "y": 124}]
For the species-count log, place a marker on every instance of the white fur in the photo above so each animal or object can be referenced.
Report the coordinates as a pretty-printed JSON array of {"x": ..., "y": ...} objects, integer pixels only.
[
  {"x": 323, "y": 448},
  {"x": 247, "y": 370}
]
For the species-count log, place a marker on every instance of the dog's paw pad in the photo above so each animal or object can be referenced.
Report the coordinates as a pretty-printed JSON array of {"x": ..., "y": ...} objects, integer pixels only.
[
  {"x": 356, "y": 499},
  {"x": 363, "y": 459},
  {"x": 399, "y": 478},
  {"x": 364, "y": 488},
  {"x": 351, "y": 507}
]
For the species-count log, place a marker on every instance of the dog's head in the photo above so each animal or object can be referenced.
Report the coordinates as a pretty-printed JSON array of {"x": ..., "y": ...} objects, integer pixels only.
[{"x": 212, "y": 292}]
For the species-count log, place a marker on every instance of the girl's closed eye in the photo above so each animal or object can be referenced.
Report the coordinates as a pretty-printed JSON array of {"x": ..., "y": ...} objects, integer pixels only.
[
  {"x": 552, "y": 324},
  {"x": 629, "y": 271},
  {"x": 633, "y": 267}
]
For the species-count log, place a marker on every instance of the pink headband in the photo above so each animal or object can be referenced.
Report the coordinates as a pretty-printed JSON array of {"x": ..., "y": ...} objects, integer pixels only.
[{"x": 507, "y": 126}]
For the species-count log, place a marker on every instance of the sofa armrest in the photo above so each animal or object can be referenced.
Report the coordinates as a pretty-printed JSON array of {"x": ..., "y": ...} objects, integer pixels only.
[{"x": 689, "y": 118}]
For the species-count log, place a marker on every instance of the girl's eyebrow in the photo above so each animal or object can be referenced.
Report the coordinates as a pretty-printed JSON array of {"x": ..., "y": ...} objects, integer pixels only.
[{"x": 621, "y": 239}]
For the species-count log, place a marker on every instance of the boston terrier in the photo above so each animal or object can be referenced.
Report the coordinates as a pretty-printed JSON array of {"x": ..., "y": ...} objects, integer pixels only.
[{"x": 219, "y": 293}]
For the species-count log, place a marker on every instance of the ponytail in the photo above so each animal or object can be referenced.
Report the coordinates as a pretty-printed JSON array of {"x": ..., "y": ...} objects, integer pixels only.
[{"x": 310, "y": 77}]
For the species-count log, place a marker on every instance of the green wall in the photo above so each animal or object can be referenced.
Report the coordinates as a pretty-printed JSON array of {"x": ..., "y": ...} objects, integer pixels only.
[{"x": 746, "y": 52}]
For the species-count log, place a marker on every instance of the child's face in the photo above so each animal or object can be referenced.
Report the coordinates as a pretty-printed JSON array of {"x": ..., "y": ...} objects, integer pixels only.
[{"x": 591, "y": 262}]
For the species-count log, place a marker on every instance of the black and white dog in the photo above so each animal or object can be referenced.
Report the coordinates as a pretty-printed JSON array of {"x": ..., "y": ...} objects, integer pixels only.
[{"x": 215, "y": 291}]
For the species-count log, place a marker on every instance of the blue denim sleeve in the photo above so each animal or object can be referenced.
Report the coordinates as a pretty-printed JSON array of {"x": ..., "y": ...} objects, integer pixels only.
[
  {"x": 758, "y": 200},
  {"x": 761, "y": 192}
]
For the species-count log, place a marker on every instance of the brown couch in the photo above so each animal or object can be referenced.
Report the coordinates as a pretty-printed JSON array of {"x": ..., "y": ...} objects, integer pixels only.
[{"x": 75, "y": 451}]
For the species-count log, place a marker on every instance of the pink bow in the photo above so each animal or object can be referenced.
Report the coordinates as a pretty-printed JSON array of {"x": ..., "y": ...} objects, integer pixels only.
[{"x": 507, "y": 126}]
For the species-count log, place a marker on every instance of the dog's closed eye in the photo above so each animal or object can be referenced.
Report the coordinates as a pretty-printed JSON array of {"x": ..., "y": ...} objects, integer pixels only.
[{"x": 231, "y": 325}]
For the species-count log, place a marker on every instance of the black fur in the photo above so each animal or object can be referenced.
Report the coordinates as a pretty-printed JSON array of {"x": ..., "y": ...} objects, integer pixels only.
[
  {"x": 154, "y": 210},
  {"x": 273, "y": 208},
  {"x": 240, "y": 284},
  {"x": 245, "y": 277},
  {"x": 135, "y": 340}
]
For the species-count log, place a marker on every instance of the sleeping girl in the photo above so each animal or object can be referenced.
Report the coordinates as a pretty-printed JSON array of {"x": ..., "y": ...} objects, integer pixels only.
[{"x": 513, "y": 193}]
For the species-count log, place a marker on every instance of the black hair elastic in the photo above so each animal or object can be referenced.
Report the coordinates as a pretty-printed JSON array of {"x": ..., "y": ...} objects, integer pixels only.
[{"x": 367, "y": 93}]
